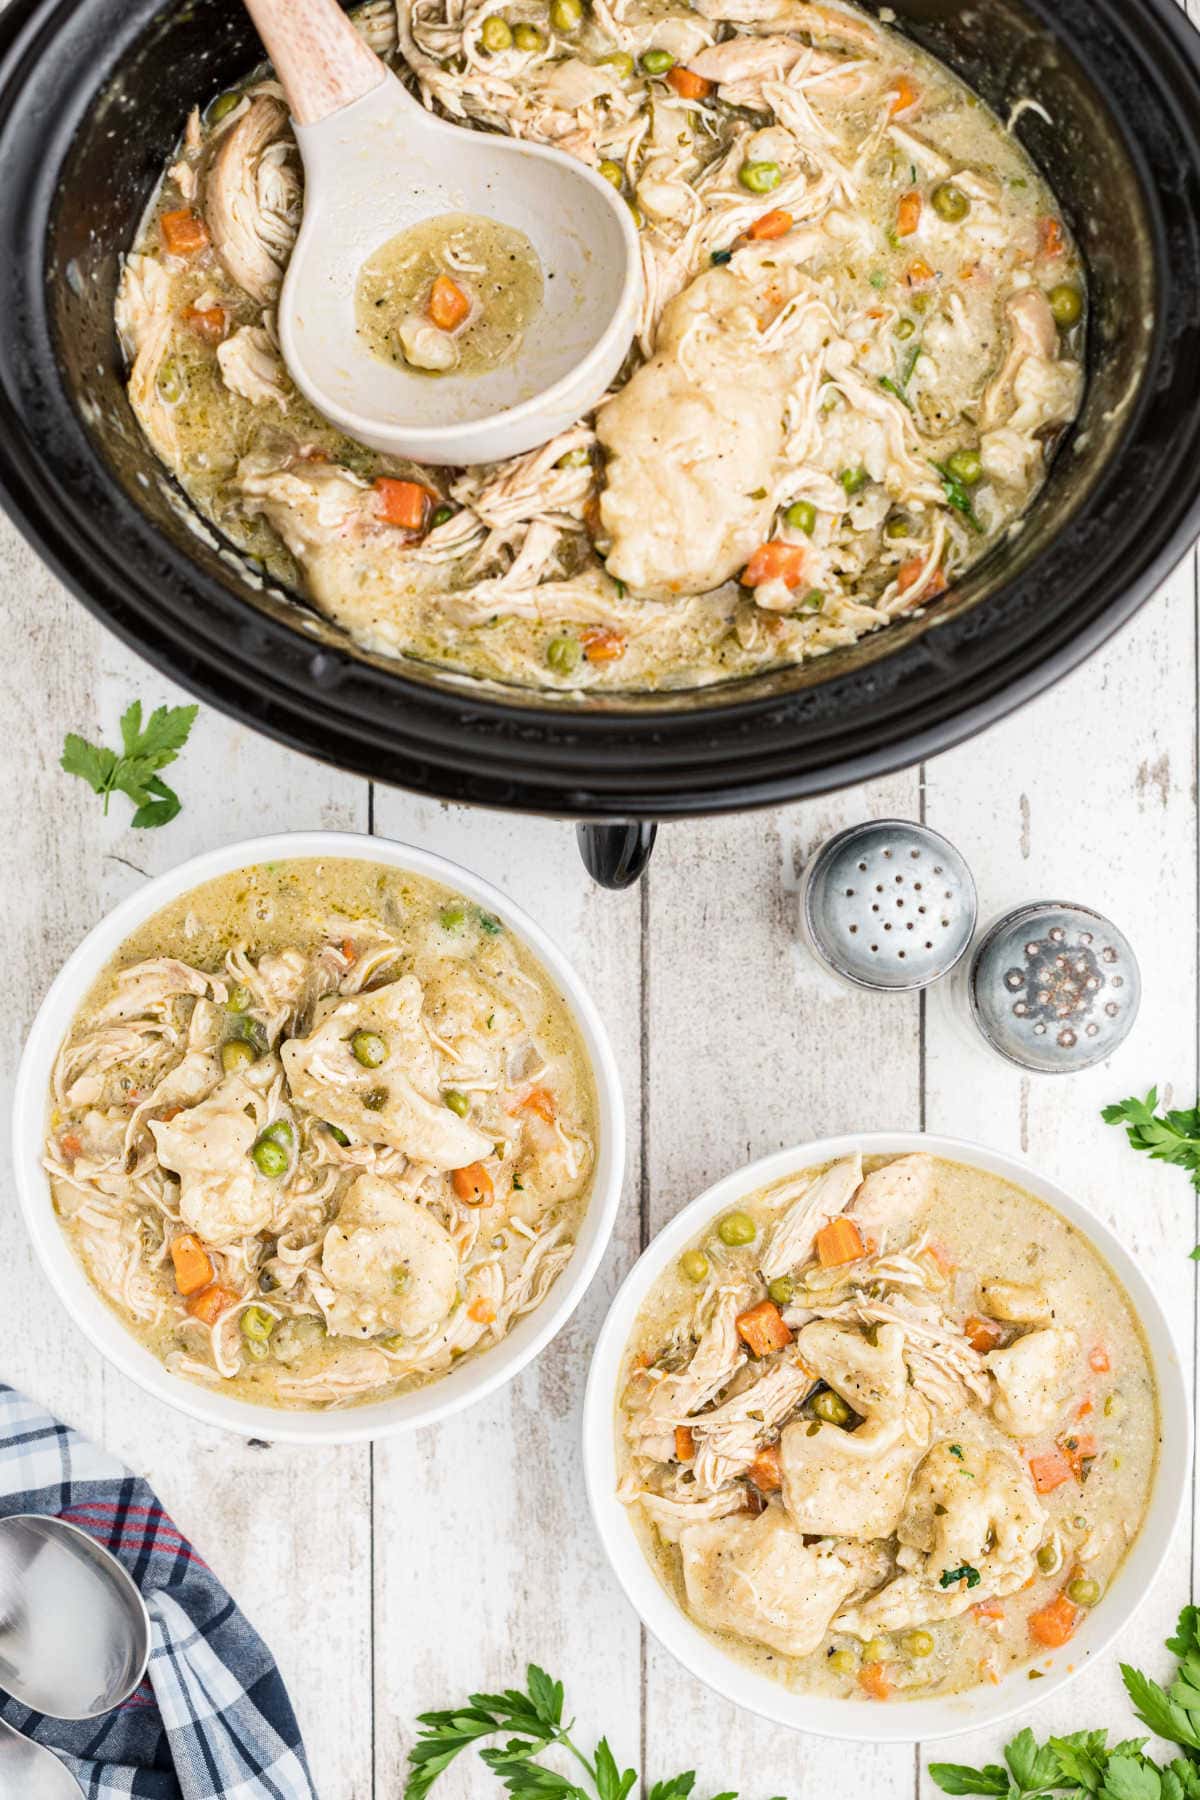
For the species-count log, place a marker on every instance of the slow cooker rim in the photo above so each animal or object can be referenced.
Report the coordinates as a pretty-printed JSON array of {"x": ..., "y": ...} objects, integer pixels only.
[{"x": 621, "y": 738}]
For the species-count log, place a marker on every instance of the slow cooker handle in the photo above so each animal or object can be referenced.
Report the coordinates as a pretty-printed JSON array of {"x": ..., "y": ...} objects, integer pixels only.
[{"x": 615, "y": 855}]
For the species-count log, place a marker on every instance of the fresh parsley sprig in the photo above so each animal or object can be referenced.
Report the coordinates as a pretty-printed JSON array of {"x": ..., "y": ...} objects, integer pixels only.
[
  {"x": 133, "y": 771},
  {"x": 1172, "y": 1137},
  {"x": 535, "y": 1717},
  {"x": 1085, "y": 1763}
]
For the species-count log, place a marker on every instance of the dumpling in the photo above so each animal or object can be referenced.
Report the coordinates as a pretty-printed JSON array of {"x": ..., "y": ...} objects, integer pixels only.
[{"x": 392, "y": 1265}]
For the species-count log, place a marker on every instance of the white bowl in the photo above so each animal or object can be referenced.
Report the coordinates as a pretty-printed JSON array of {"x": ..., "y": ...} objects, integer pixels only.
[
  {"x": 865, "y": 1719},
  {"x": 472, "y": 1379}
]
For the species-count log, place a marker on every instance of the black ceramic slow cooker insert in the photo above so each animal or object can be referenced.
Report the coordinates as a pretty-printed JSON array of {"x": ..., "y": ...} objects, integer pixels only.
[{"x": 92, "y": 95}]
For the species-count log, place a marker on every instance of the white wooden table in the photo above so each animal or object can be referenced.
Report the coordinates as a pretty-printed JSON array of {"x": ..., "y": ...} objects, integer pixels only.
[{"x": 396, "y": 1578}]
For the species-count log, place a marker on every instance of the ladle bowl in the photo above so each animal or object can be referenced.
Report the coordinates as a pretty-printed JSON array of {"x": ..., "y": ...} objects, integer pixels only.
[{"x": 376, "y": 163}]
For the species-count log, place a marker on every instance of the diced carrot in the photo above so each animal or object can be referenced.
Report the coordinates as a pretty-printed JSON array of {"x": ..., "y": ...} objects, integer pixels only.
[
  {"x": 918, "y": 272},
  {"x": 685, "y": 1444},
  {"x": 873, "y": 1679},
  {"x": 941, "y": 1256},
  {"x": 774, "y": 224},
  {"x": 209, "y": 1305},
  {"x": 209, "y": 323},
  {"x": 1079, "y": 1450},
  {"x": 910, "y": 572},
  {"x": 171, "y": 1112},
  {"x": 839, "y": 1242},
  {"x": 1054, "y": 1623},
  {"x": 766, "y": 1471},
  {"x": 349, "y": 952},
  {"x": 1083, "y": 1409},
  {"x": 988, "y": 1609},
  {"x": 193, "y": 1265},
  {"x": 405, "y": 503},
  {"x": 1050, "y": 235},
  {"x": 905, "y": 94},
  {"x": 762, "y": 1328},
  {"x": 473, "y": 1185},
  {"x": 1049, "y": 1470},
  {"x": 538, "y": 1100},
  {"x": 482, "y": 1311},
  {"x": 71, "y": 1145},
  {"x": 776, "y": 561},
  {"x": 687, "y": 85},
  {"x": 183, "y": 233},
  {"x": 602, "y": 645},
  {"x": 448, "y": 306},
  {"x": 1098, "y": 1360},
  {"x": 908, "y": 213},
  {"x": 982, "y": 1334}
]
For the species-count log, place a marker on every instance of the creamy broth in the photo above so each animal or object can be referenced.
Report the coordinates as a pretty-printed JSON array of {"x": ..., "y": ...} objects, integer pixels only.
[
  {"x": 321, "y": 1130},
  {"x": 1028, "y": 1469},
  {"x": 860, "y": 342},
  {"x": 491, "y": 268}
]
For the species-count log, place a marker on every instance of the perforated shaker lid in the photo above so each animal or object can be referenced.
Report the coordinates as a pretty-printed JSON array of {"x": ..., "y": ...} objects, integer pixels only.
[
  {"x": 1054, "y": 986},
  {"x": 889, "y": 905}
]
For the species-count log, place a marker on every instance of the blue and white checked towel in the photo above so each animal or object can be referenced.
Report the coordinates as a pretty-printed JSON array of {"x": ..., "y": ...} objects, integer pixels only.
[{"x": 212, "y": 1717}]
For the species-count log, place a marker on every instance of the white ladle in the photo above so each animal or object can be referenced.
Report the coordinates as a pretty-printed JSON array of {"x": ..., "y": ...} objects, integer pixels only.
[{"x": 375, "y": 163}]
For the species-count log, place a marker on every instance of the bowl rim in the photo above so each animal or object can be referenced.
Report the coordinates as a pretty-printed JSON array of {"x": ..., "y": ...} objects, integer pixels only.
[
  {"x": 864, "y": 1720},
  {"x": 470, "y": 1381}
]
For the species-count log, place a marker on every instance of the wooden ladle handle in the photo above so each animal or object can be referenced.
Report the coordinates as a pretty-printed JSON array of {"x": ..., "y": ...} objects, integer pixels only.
[{"x": 321, "y": 61}]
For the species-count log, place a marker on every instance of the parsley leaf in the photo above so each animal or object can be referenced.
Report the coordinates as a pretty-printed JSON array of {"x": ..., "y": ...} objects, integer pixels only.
[
  {"x": 957, "y": 495},
  {"x": 958, "y": 1778},
  {"x": 966, "y": 1573},
  {"x": 145, "y": 749}
]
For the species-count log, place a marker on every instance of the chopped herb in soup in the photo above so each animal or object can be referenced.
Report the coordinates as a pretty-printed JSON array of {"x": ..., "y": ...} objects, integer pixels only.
[
  {"x": 859, "y": 343},
  {"x": 319, "y": 1131},
  {"x": 888, "y": 1428}
]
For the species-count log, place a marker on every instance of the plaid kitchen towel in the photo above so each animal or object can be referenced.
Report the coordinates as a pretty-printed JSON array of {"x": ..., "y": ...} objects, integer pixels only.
[{"x": 212, "y": 1717}]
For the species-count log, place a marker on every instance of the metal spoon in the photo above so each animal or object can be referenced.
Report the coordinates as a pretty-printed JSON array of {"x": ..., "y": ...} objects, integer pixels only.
[
  {"x": 74, "y": 1631},
  {"x": 375, "y": 163},
  {"x": 32, "y": 1771}
]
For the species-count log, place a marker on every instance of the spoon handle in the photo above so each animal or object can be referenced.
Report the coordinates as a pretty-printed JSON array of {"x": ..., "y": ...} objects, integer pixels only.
[{"x": 321, "y": 61}]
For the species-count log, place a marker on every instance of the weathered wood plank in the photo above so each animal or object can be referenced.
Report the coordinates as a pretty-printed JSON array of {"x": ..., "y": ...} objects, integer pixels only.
[
  {"x": 1089, "y": 795},
  {"x": 753, "y": 1047},
  {"x": 289, "y": 1535},
  {"x": 485, "y": 1557}
]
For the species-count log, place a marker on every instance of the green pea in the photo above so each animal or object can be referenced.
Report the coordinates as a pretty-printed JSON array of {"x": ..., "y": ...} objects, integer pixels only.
[
  {"x": 854, "y": 480},
  {"x": 831, "y": 1408},
  {"x": 844, "y": 1662},
  {"x": 693, "y": 1265},
  {"x": 566, "y": 15},
  {"x": 280, "y": 1132},
  {"x": 170, "y": 383},
  {"x": 1066, "y": 303},
  {"x": 574, "y": 459},
  {"x": 457, "y": 1102},
  {"x": 257, "y": 1324},
  {"x": 898, "y": 527},
  {"x": 950, "y": 203},
  {"x": 877, "y": 1651},
  {"x": 1049, "y": 1557},
  {"x": 657, "y": 62},
  {"x": 639, "y": 218},
  {"x": 495, "y": 34},
  {"x": 801, "y": 515},
  {"x": 737, "y": 1228},
  {"x": 368, "y": 1048},
  {"x": 393, "y": 1343},
  {"x": 563, "y": 654},
  {"x": 375, "y": 1099},
  {"x": 966, "y": 466},
  {"x": 718, "y": 257},
  {"x": 269, "y": 1157},
  {"x": 255, "y": 1350},
  {"x": 222, "y": 106},
  {"x": 441, "y": 515},
  {"x": 917, "y": 1643},
  {"x": 760, "y": 177},
  {"x": 904, "y": 328},
  {"x": 612, "y": 173},
  {"x": 813, "y": 601},
  {"x": 620, "y": 62},
  {"x": 453, "y": 916},
  {"x": 338, "y": 1135},
  {"x": 1083, "y": 1591},
  {"x": 236, "y": 1054},
  {"x": 782, "y": 1290},
  {"x": 240, "y": 999},
  {"x": 400, "y": 1278},
  {"x": 528, "y": 38}
]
